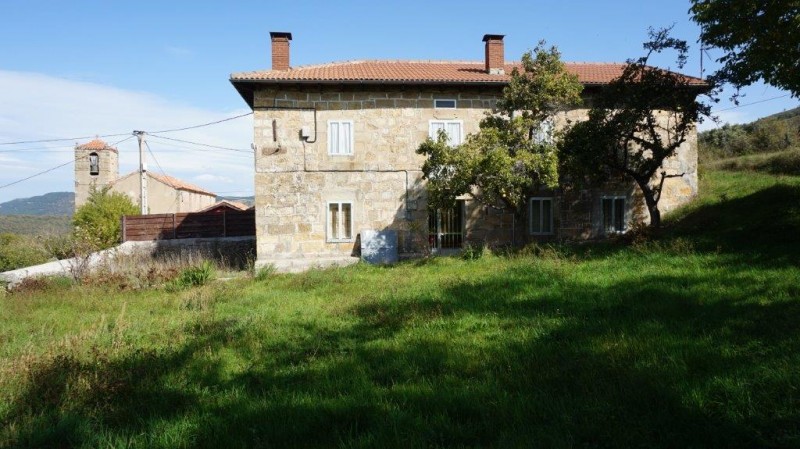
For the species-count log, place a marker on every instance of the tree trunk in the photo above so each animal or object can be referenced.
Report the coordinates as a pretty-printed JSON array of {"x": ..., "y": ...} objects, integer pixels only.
[{"x": 651, "y": 202}]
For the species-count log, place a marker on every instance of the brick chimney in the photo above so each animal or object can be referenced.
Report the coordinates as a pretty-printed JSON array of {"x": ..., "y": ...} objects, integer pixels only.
[
  {"x": 495, "y": 57},
  {"x": 280, "y": 50}
]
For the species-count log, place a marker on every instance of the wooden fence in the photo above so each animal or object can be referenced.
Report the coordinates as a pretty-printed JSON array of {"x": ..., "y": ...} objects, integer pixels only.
[{"x": 223, "y": 223}]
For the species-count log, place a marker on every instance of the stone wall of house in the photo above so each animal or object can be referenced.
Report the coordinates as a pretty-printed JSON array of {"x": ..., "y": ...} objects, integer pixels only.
[{"x": 296, "y": 177}]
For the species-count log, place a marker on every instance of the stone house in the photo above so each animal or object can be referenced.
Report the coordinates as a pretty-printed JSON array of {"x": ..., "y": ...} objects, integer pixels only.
[
  {"x": 335, "y": 155},
  {"x": 97, "y": 167}
]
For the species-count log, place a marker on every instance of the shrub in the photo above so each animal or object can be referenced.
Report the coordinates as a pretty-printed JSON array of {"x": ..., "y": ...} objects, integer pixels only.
[
  {"x": 194, "y": 276},
  {"x": 18, "y": 251},
  {"x": 264, "y": 273},
  {"x": 473, "y": 251},
  {"x": 101, "y": 217}
]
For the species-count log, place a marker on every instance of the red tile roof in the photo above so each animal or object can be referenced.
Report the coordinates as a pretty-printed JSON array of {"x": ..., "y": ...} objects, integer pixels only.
[
  {"x": 172, "y": 182},
  {"x": 96, "y": 145},
  {"x": 230, "y": 204},
  {"x": 438, "y": 72},
  {"x": 179, "y": 184}
]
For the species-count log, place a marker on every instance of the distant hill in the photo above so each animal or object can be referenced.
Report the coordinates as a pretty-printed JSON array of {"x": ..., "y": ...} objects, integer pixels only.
[
  {"x": 776, "y": 132},
  {"x": 249, "y": 200},
  {"x": 54, "y": 203},
  {"x": 35, "y": 224}
]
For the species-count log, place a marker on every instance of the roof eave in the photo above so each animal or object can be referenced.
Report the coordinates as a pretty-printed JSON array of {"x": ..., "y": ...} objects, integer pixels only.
[{"x": 246, "y": 87}]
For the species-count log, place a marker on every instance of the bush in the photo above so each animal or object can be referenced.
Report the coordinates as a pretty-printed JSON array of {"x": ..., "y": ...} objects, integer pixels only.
[
  {"x": 101, "y": 217},
  {"x": 19, "y": 251},
  {"x": 264, "y": 273},
  {"x": 194, "y": 276},
  {"x": 473, "y": 251}
]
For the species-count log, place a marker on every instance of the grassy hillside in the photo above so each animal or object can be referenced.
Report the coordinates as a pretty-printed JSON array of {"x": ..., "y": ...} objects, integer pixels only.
[
  {"x": 687, "y": 341},
  {"x": 35, "y": 224},
  {"x": 54, "y": 203},
  {"x": 774, "y": 133}
]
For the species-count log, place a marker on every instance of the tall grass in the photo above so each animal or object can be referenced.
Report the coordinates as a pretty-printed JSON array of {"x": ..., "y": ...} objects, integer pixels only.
[{"x": 686, "y": 341}]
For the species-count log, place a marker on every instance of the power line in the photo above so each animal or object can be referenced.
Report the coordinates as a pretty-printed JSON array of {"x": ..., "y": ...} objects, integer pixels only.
[
  {"x": 202, "y": 144},
  {"x": 748, "y": 104},
  {"x": 56, "y": 167},
  {"x": 171, "y": 146},
  {"x": 20, "y": 142},
  {"x": 204, "y": 124}
]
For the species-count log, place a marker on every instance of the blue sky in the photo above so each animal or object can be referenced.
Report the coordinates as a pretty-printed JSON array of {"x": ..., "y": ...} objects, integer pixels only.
[{"x": 104, "y": 67}]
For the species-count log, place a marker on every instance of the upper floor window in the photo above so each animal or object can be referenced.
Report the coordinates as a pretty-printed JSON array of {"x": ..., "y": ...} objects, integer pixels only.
[
  {"x": 340, "y": 137},
  {"x": 453, "y": 129},
  {"x": 444, "y": 104},
  {"x": 540, "y": 211},
  {"x": 94, "y": 164},
  {"x": 613, "y": 212}
]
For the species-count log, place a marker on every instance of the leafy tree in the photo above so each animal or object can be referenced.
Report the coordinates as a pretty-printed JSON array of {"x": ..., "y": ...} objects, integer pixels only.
[
  {"x": 761, "y": 39},
  {"x": 100, "y": 218},
  {"x": 514, "y": 149},
  {"x": 637, "y": 121}
]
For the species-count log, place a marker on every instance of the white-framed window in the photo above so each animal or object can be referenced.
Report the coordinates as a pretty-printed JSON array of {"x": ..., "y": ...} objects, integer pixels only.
[
  {"x": 612, "y": 209},
  {"x": 453, "y": 129},
  {"x": 340, "y": 221},
  {"x": 94, "y": 164},
  {"x": 540, "y": 215},
  {"x": 340, "y": 137},
  {"x": 444, "y": 103}
]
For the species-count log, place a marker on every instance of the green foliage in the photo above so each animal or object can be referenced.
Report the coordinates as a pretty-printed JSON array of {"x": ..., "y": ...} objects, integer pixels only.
[
  {"x": 473, "y": 251},
  {"x": 514, "y": 151},
  {"x": 264, "y": 273},
  {"x": 100, "y": 218},
  {"x": 637, "y": 121},
  {"x": 195, "y": 276},
  {"x": 19, "y": 251},
  {"x": 761, "y": 40},
  {"x": 770, "y": 134},
  {"x": 35, "y": 224}
]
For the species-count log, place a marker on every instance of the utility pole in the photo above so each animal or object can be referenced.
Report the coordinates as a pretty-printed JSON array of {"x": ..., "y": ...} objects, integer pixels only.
[{"x": 142, "y": 173}]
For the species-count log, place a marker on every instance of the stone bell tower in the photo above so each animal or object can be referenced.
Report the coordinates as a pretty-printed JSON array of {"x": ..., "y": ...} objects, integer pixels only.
[{"x": 96, "y": 166}]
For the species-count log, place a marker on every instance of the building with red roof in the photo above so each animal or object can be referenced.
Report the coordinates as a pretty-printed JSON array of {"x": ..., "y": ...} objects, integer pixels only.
[
  {"x": 97, "y": 167},
  {"x": 335, "y": 155}
]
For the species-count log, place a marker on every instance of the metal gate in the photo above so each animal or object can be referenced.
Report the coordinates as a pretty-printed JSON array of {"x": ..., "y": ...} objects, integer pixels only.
[{"x": 446, "y": 227}]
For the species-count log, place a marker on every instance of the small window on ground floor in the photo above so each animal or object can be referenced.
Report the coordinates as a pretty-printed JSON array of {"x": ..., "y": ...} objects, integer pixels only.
[
  {"x": 613, "y": 211},
  {"x": 340, "y": 222},
  {"x": 540, "y": 212}
]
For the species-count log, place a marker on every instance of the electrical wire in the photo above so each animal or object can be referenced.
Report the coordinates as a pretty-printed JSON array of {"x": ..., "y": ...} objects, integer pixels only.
[
  {"x": 204, "y": 124},
  {"x": 203, "y": 150},
  {"x": 748, "y": 104},
  {"x": 57, "y": 166},
  {"x": 202, "y": 144},
  {"x": 20, "y": 142}
]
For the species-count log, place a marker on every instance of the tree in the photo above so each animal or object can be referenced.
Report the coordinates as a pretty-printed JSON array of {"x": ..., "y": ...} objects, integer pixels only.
[
  {"x": 100, "y": 218},
  {"x": 761, "y": 40},
  {"x": 514, "y": 150},
  {"x": 637, "y": 121}
]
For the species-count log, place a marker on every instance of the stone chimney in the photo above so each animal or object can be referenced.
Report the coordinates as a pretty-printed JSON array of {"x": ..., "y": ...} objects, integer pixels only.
[
  {"x": 495, "y": 56},
  {"x": 280, "y": 50}
]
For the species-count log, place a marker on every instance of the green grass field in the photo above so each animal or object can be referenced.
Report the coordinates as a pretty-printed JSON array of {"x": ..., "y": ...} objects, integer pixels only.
[{"x": 691, "y": 340}]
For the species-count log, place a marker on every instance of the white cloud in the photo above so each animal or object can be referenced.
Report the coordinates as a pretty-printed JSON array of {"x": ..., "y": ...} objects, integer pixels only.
[
  {"x": 37, "y": 106},
  {"x": 208, "y": 177}
]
